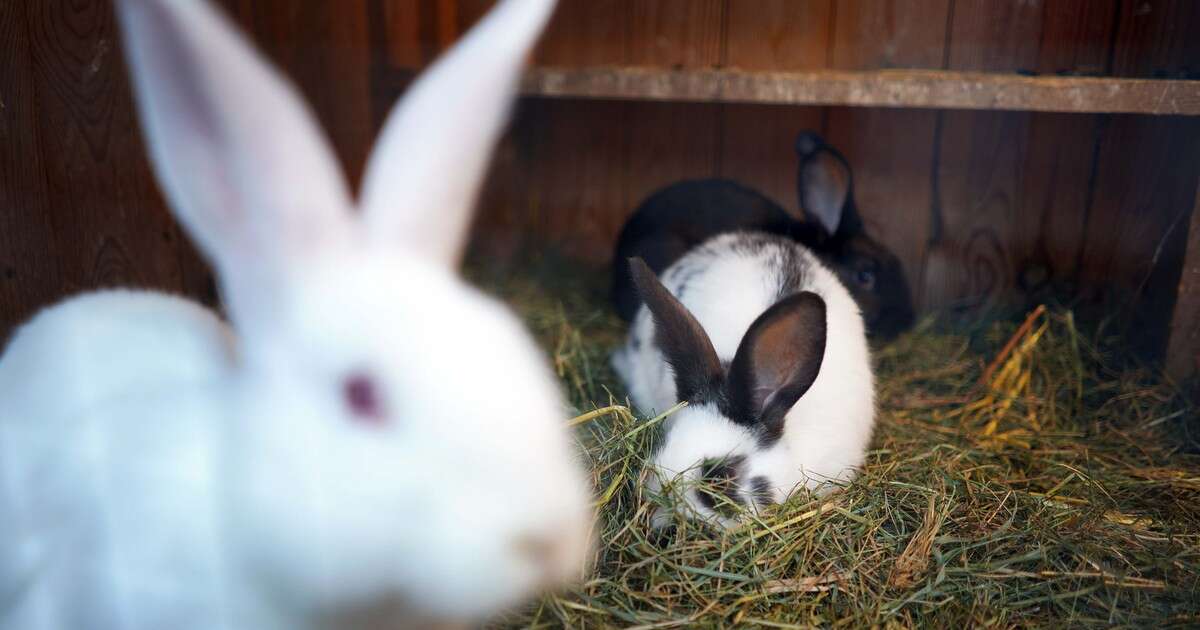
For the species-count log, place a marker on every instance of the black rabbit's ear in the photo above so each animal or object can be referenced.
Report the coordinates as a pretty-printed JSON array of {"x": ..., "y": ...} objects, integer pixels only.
[
  {"x": 682, "y": 340},
  {"x": 808, "y": 143},
  {"x": 777, "y": 361},
  {"x": 823, "y": 183}
]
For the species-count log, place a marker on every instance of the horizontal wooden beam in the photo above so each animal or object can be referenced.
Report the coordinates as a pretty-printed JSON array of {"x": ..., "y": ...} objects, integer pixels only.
[{"x": 877, "y": 88}]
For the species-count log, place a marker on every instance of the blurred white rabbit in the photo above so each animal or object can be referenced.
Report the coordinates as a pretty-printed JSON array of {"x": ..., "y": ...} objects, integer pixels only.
[{"x": 370, "y": 442}]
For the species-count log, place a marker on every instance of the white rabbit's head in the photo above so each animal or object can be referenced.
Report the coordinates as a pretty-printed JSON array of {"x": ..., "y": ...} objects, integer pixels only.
[{"x": 395, "y": 436}]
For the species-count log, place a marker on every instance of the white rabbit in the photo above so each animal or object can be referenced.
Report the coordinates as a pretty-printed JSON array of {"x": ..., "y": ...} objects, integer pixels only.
[
  {"x": 369, "y": 442},
  {"x": 769, "y": 350}
]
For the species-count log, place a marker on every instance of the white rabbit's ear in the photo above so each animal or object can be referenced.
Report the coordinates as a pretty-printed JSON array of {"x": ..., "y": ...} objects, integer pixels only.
[
  {"x": 422, "y": 179},
  {"x": 240, "y": 157}
]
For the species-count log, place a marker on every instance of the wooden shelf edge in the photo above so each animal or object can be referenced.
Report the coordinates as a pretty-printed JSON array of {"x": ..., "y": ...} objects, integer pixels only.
[{"x": 877, "y": 88}]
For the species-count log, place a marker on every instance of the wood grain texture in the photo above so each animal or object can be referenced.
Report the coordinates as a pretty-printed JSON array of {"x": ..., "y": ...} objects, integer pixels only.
[
  {"x": 676, "y": 33},
  {"x": 1133, "y": 247},
  {"x": 756, "y": 141},
  {"x": 403, "y": 41},
  {"x": 988, "y": 36},
  {"x": 891, "y": 153},
  {"x": 324, "y": 48},
  {"x": 84, "y": 208},
  {"x": 30, "y": 273},
  {"x": 669, "y": 142},
  {"x": 1183, "y": 348},
  {"x": 1145, "y": 181},
  {"x": 779, "y": 34},
  {"x": 1059, "y": 156},
  {"x": 1017, "y": 207},
  {"x": 1076, "y": 37},
  {"x": 1158, "y": 39},
  {"x": 757, "y": 147},
  {"x": 968, "y": 263},
  {"x": 890, "y": 150},
  {"x": 577, "y": 189},
  {"x": 587, "y": 34},
  {"x": 79, "y": 208},
  {"x": 1095, "y": 204},
  {"x": 872, "y": 34},
  {"x": 977, "y": 180}
]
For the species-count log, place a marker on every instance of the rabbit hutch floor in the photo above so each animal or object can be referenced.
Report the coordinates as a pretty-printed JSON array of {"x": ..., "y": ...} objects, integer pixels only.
[{"x": 1020, "y": 475}]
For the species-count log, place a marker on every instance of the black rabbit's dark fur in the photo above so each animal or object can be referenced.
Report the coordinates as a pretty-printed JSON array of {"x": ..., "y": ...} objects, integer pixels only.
[{"x": 679, "y": 217}]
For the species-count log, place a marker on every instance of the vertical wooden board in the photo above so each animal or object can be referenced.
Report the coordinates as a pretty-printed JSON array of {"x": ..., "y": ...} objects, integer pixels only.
[
  {"x": 1183, "y": 346},
  {"x": 1013, "y": 186},
  {"x": 757, "y": 141},
  {"x": 402, "y": 33},
  {"x": 1060, "y": 151},
  {"x": 891, "y": 151},
  {"x": 676, "y": 33},
  {"x": 668, "y": 142},
  {"x": 778, "y": 34},
  {"x": 969, "y": 262},
  {"x": 565, "y": 177},
  {"x": 30, "y": 273},
  {"x": 1145, "y": 180},
  {"x": 110, "y": 225},
  {"x": 1137, "y": 227},
  {"x": 1076, "y": 36},
  {"x": 989, "y": 36},
  {"x": 1048, "y": 232},
  {"x": 469, "y": 11},
  {"x": 891, "y": 154},
  {"x": 758, "y": 147},
  {"x": 587, "y": 34},
  {"x": 1158, "y": 39},
  {"x": 325, "y": 49},
  {"x": 872, "y": 34},
  {"x": 416, "y": 31},
  {"x": 502, "y": 217}
]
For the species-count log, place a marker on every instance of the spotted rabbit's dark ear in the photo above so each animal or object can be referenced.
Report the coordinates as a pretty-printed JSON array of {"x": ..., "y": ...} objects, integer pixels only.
[
  {"x": 682, "y": 340},
  {"x": 824, "y": 183},
  {"x": 777, "y": 361}
]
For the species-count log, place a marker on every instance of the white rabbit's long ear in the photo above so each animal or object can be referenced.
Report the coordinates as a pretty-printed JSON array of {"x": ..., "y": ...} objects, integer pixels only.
[
  {"x": 240, "y": 157},
  {"x": 422, "y": 179}
]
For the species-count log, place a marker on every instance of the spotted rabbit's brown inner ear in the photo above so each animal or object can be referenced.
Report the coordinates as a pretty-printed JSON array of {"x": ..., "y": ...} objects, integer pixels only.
[{"x": 778, "y": 359}]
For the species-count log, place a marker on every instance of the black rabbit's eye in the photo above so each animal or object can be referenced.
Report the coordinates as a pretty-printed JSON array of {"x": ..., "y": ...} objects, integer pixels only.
[
  {"x": 866, "y": 278},
  {"x": 362, "y": 398}
]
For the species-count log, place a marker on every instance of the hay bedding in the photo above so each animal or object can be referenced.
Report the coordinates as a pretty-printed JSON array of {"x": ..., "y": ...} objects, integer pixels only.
[{"x": 1019, "y": 476}]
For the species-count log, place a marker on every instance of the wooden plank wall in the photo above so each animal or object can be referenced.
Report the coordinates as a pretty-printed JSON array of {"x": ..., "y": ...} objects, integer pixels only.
[
  {"x": 983, "y": 208},
  {"x": 79, "y": 208},
  {"x": 980, "y": 206}
]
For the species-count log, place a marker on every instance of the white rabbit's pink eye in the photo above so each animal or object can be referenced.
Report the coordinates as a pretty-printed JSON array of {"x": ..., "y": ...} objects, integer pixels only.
[{"x": 362, "y": 398}]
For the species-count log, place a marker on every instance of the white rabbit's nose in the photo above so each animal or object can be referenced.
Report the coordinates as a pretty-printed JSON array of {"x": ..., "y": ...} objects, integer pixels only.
[{"x": 555, "y": 552}]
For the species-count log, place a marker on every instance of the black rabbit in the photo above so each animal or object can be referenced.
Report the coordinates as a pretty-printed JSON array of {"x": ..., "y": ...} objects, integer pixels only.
[{"x": 679, "y": 217}]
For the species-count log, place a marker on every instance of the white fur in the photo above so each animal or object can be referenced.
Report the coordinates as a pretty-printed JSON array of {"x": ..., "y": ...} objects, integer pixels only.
[
  {"x": 160, "y": 468},
  {"x": 826, "y": 432}
]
